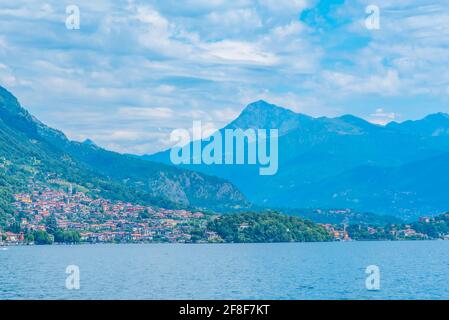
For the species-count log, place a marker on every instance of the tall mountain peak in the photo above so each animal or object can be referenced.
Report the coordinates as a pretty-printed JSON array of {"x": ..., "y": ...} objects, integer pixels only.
[
  {"x": 262, "y": 106},
  {"x": 264, "y": 115}
]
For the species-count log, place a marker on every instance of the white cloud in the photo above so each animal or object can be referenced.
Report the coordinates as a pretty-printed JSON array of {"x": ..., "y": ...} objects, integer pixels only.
[
  {"x": 145, "y": 113},
  {"x": 240, "y": 52},
  {"x": 388, "y": 83},
  {"x": 382, "y": 117},
  {"x": 288, "y": 7},
  {"x": 233, "y": 22}
]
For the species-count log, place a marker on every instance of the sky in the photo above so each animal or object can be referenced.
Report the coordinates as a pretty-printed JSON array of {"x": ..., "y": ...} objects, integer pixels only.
[{"x": 136, "y": 70}]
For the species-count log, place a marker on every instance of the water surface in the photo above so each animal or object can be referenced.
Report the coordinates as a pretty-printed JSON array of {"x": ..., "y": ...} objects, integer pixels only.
[{"x": 409, "y": 270}]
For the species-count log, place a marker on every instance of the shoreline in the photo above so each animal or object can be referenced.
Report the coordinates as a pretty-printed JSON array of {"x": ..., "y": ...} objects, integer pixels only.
[{"x": 205, "y": 243}]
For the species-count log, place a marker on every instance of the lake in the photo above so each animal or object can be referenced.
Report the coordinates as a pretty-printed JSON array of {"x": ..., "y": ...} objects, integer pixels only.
[{"x": 408, "y": 270}]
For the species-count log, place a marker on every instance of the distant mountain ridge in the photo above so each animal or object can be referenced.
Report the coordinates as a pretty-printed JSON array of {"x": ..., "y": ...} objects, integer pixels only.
[
  {"x": 344, "y": 162},
  {"x": 30, "y": 152}
]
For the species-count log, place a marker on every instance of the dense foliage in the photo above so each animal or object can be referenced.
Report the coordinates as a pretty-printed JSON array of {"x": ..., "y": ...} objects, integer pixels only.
[
  {"x": 427, "y": 228},
  {"x": 267, "y": 227},
  {"x": 435, "y": 228},
  {"x": 61, "y": 236},
  {"x": 361, "y": 232},
  {"x": 41, "y": 237},
  {"x": 339, "y": 216}
]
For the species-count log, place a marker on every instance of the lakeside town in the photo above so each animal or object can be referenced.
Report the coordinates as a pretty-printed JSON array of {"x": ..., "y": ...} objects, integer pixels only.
[
  {"x": 85, "y": 219},
  {"x": 47, "y": 216}
]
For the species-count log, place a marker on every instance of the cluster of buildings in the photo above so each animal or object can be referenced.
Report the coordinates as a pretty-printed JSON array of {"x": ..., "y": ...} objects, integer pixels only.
[
  {"x": 101, "y": 220},
  {"x": 426, "y": 228},
  {"x": 344, "y": 232},
  {"x": 337, "y": 231}
]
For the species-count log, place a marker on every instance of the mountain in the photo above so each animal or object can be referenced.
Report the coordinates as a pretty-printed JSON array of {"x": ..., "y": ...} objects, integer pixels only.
[
  {"x": 419, "y": 184},
  {"x": 343, "y": 162},
  {"x": 31, "y": 152},
  {"x": 261, "y": 114},
  {"x": 436, "y": 125}
]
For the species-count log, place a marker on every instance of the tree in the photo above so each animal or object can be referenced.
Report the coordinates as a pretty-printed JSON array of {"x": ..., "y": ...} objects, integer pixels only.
[
  {"x": 51, "y": 225},
  {"x": 42, "y": 237},
  {"x": 14, "y": 227},
  {"x": 67, "y": 236},
  {"x": 29, "y": 238}
]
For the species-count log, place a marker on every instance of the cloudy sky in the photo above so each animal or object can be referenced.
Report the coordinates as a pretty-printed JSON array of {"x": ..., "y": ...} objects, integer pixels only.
[{"x": 135, "y": 70}]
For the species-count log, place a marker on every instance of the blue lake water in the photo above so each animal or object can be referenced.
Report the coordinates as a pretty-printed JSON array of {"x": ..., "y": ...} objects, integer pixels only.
[{"x": 409, "y": 270}]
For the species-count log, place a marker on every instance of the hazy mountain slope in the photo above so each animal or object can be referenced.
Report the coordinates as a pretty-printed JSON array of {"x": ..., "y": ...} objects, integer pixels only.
[
  {"x": 337, "y": 162},
  {"x": 434, "y": 125},
  {"x": 421, "y": 184}
]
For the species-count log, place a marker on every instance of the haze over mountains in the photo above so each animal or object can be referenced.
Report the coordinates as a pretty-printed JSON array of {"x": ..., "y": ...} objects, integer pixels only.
[
  {"x": 400, "y": 169},
  {"x": 31, "y": 152}
]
